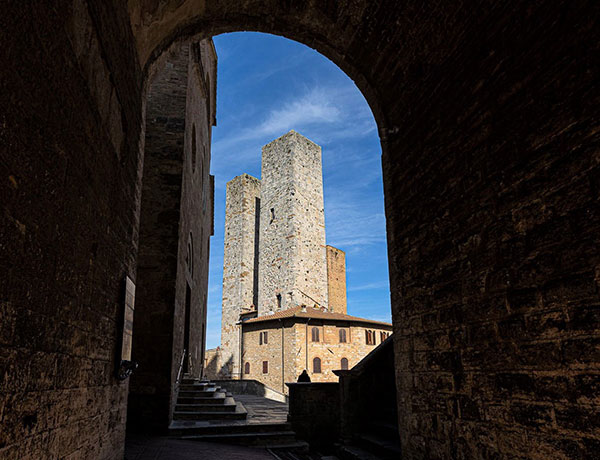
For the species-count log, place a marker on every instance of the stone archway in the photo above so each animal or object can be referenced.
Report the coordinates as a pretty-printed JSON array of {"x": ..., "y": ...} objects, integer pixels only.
[{"x": 488, "y": 120}]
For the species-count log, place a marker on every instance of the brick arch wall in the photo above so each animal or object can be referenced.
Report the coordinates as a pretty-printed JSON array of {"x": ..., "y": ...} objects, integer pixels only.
[{"x": 488, "y": 118}]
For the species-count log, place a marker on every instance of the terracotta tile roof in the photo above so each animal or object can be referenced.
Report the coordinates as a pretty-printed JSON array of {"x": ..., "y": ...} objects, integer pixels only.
[{"x": 296, "y": 312}]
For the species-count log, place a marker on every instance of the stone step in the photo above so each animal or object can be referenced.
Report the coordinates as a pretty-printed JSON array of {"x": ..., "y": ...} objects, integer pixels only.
[
  {"x": 275, "y": 438},
  {"x": 210, "y": 415},
  {"x": 379, "y": 445},
  {"x": 229, "y": 407},
  {"x": 351, "y": 452},
  {"x": 298, "y": 450},
  {"x": 196, "y": 387},
  {"x": 206, "y": 392},
  {"x": 188, "y": 380},
  {"x": 178, "y": 429},
  {"x": 384, "y": 429},
  {"x": 218, "y": 399},
  {"x": 203, "y": 400}
]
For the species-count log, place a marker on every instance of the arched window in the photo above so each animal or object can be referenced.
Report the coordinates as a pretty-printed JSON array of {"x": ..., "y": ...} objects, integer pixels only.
[
  {"x": 384, "y": 335},
  {"x": 317, "y": 366},
  {"x": 247, "y": 368},
  {"x": 342, "y": 335},
  {"x": 344, "y": 364},
  {"x": 315, "y": 334},
  {"x": 369, "y": 337}
]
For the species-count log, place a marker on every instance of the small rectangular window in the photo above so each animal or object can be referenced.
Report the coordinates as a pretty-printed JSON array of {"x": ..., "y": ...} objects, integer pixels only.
[
  {"x": 265, "y": 367},
  {"x": 272, "y": 215},
  {"x": 263, "y": 338},
  {"x": 279, "y": 301},
  {"x": 315, "y": 334}
]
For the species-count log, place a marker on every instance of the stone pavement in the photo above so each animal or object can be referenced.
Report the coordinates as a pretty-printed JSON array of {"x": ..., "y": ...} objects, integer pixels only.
[
  {"x": 162, "y": 448},
  {"x": 263, "y": 410}
]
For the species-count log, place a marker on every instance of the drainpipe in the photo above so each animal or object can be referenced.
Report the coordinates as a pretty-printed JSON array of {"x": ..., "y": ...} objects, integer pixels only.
[
  {"x": 241, "y": 337},
  {"x": 306, "y": 346},
  {"x": 282, "y": 358}
]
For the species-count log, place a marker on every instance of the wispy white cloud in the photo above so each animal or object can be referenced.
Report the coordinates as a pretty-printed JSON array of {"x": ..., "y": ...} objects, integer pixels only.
[
  {"x": 315, "y": 107},
  {"x": 369, "y": 286}
]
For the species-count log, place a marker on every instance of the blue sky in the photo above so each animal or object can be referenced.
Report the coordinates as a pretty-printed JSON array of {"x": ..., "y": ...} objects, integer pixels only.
[{"x": 266, "y": 86}]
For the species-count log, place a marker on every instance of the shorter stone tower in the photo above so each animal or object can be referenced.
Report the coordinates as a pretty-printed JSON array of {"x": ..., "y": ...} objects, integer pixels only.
[
  {"x": 336, "y": 280},
  {"x": 240, "y": 273}
]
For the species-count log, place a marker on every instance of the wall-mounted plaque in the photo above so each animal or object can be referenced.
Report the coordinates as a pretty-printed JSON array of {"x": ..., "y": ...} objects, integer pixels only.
[{"x": 128, "y": 319}]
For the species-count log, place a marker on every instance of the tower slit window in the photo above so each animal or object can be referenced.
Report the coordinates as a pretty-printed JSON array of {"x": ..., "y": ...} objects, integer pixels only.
[{"x": 265, "y": 367}]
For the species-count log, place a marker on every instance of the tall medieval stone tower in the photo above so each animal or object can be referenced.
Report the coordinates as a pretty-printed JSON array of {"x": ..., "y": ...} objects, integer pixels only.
[{"x": 292, "y": 258}]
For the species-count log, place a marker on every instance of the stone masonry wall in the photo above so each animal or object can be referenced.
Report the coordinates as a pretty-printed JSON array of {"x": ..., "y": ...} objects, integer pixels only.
[
  {"x": 239, "y": 280},
  {"x": 278, "y": 354},
  {"x": 336, "y": 280},
  {"x": 195, "y": 226},
  {"x": 69, "y": 193},
  {"x": 292, "y": 261},
  {"x": 176, "y": 220},
  {"x": 150, "y": 387}
]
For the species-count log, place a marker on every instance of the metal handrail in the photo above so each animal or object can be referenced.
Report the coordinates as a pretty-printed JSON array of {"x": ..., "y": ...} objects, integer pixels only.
[{"x": 180, "y": 367}]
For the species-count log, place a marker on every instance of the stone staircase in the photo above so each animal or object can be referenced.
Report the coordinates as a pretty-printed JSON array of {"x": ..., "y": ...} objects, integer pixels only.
[
  {"x": 208, "y": 413},
  {"x": 201, "y": 400}
]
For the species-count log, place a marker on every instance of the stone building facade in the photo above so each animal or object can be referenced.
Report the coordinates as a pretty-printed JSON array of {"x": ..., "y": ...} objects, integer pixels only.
[
  {"x": 279, "y": 275},
  {"x": 169, "y": 329},
  {"x": 276, "y": 348}
]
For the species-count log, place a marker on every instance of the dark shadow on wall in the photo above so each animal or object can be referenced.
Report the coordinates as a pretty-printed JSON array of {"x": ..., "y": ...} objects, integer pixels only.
[{"x": 211, "y": 364}]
